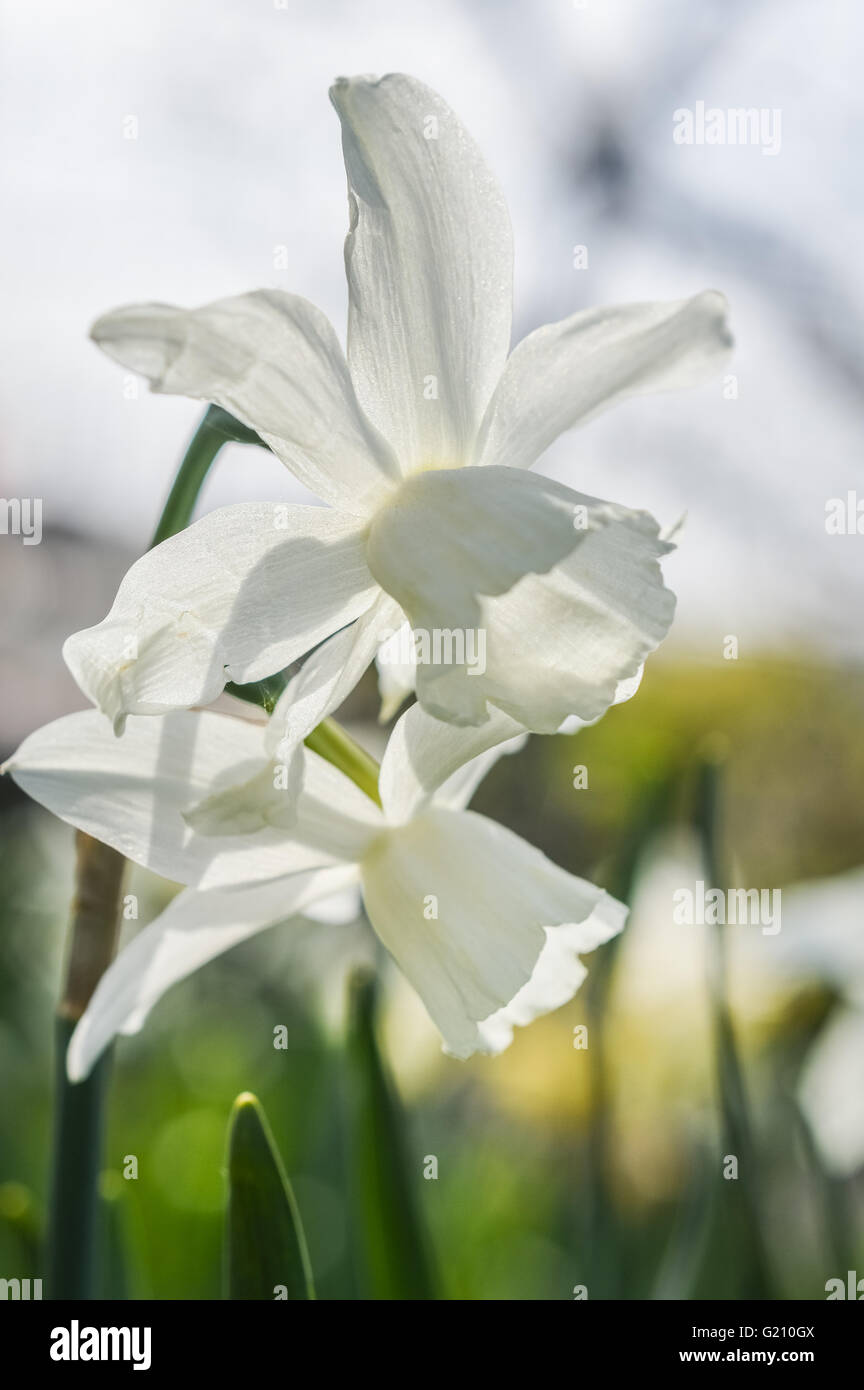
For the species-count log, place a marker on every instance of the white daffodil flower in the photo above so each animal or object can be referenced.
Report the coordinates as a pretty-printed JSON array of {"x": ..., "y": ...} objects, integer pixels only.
[
  {"x": 485, "y": 927},
  {"x": 565, "y": 589}
]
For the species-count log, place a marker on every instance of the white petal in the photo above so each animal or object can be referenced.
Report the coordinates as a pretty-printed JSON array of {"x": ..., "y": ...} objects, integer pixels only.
[
  {"x": 268, "y": 797},
  {"x": 339, "y": 909},
  {"x": 453, "y": 537},
  {"x": 240, "y": 594},
  {"x": 832, "y": 1092},
  {"x": 561, "y": 644},
  {"x": 333, "y": 815},
  {"x": 557, "y": 975},
  {"x": 133, "y": 792},
  {"x": 426, "y": 757},
  {"x": 322, "y": 815},
  {"x": 429, "y": 262},
  {"x": 327, "y": 678},
  {"x": 624, "y": 691},
  {"x": 562, "y": 374},
  {"x": 193, "y": 929},
  {"x": 273, "y": 360},
  {"x": 397, "y": 671},
  {"x": 554, "y": 597},
  {"x": 493, "y": 894}
]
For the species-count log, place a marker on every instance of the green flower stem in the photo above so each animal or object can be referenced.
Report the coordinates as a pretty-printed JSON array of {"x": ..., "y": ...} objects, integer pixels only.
[
  {"x": 74, "y": 1206},
  {"x": 329, "y": 740},
  {"x": 216, "y": 428}
]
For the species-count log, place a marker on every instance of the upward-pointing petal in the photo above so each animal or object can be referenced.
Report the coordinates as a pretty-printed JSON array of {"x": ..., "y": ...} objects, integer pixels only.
[
  {"x": 429, "y": 262},
  {"x": 561, "y": 375}
]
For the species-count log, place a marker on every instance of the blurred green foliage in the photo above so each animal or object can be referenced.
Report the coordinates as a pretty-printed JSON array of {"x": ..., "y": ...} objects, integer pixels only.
[{"x": 513, "y": 1212}]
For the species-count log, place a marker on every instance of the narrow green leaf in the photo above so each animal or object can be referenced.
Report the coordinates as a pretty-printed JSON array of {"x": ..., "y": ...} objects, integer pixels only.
[
  {"x": 392, "y": 1254},
  {"x": 740, "y": 1211},
  {"x": 265, "y": 1248},
  {"x": 687, "y": 1246}
]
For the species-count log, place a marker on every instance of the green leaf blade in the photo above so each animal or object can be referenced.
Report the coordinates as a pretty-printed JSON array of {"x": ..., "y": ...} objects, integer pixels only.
[
  {"x": 392, "y": 1252},
  {"x": 265, "y": 1245}
]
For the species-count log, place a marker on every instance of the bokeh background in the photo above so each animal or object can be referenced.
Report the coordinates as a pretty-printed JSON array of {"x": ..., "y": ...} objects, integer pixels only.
[{"x": 186, "y": 151}]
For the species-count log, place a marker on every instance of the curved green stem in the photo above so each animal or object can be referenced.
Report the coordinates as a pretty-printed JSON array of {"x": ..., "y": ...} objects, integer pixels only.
[
  {"x": 216, "y": 428},
  {"x": 329, "y": 740}
]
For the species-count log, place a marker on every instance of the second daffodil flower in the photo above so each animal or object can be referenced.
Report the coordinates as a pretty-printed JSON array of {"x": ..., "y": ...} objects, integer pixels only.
[
  {"x": 419, "y": 442},
  {"x": 487, "y": 929}
]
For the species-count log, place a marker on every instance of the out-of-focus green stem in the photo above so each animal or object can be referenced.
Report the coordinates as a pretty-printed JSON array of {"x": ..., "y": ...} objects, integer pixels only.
[
  {"x": 79, "y": 1108},
  {"x": 391, "y": 1248}
]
